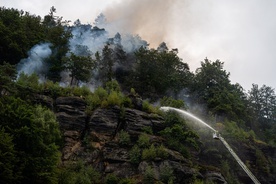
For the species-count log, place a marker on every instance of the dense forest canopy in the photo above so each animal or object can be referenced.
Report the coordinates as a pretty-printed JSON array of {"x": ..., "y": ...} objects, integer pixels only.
[{"x": 38, "y": 54}]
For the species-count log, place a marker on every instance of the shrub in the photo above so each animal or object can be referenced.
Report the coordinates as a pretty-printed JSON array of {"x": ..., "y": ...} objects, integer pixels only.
[
  {"x": 147, "y": 129},
  {"x": 169, "y": 101},
  {"x": 147, "y": 107},
  {"x": 114, "y": 99},
  {"x": 149, "y": 153},
  {"x": 111, "y": 179},
  {"x": 135, "y": 155},
  {"x": 31, "y": 81},
  {"x": 112, "y": 86},
  {"x": 101, "y": 93},
  {"x": 127, "y": 181},
  {"x": 92, "y": 101},
  {"x": 166, "y": 174},
  {"x": 126, "y": 101},
  {"x": 124, "y": 138},
  {"x": 148, "y": 175},
  {"x": 81, "y": 91},
  {"x": 143, "y": 141},
  {"x": 161, "y": 152}
]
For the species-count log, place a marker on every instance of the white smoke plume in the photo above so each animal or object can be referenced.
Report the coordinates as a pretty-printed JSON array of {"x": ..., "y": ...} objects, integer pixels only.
[{"x": 35, "y": 62}]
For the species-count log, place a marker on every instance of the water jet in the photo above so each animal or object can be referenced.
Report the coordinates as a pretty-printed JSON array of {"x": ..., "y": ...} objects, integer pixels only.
[{"x": 216, "y": 135}]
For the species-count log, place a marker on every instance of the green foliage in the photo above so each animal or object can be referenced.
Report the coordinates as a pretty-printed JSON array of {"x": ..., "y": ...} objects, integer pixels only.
[
  {"x": 149, "y": 153},
  {"x": 147, "y": 107},
  {"x": 20, "y": 31},
  {"x": 111, "y": 179},
  {"x": 143, "y": 141},
  {"x": 262, "y": 162},
  {"x": 178, "y": 135},
  {"x": 153, "y": 152},
  {"x": 169, "y": 101},
  {"x": 7, "y": 158},
  {"x": 29, "y": 81},
  {"x": 114, "y": 98},
  {"x": 234, "y": 131},
  {"x": 36, "y": 137},
  {"x": 7, "y": 76},
  {"x": 148, "y": 175},
  {"x": 80, "y": 67},
  {"x": 54, "y": 89},
  {"x": 83, "y": 91},
  {"x": 112, "y": 85},
  {"x": 79, "y": 173},
  {"x": 124, "y": 138},
  {"x": 161, "y": 152},
  {"x": 166, "y": 174},
  {"x": 135, "y": 155},
  {"x": 101, "y": 93},
  {"x": 127, "y": 181},
  {"x": 158, "y": 72},
  {"x": 147, "y": 130},
  {"x": 212, "y": 86}
]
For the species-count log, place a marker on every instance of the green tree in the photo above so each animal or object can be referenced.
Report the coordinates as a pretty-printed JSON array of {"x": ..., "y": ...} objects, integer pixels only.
[
  {"x": 106, "y": 64},
  {"x": 7, "y": 76},
  {"x": 19, "y": 32},
  {"x": 80, "y": 67},
  {"x": 212, "y": 86},
  {"x": 7, "y": 158},
  {"x": 58, "y": 35},
  {"x": 36, "y": 138},
  {"x": 158, "y": 73}
]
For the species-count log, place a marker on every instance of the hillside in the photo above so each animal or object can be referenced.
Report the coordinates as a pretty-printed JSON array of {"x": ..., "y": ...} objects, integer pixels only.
[{"x": 81, "y": 106}]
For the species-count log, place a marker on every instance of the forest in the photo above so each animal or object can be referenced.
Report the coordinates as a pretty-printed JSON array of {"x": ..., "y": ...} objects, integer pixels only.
[{"x": 54, "y": 57}]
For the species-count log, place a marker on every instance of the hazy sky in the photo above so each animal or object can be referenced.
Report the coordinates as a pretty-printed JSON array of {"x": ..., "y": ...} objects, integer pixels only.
[{"x": 242, "y": 34}]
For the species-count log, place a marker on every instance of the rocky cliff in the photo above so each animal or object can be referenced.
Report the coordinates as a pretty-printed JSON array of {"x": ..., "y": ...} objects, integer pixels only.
[{"x": 94, "y": 138}]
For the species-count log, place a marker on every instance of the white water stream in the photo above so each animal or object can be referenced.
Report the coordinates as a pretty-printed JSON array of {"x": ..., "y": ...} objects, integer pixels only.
[{"x": 191, "y": 116}]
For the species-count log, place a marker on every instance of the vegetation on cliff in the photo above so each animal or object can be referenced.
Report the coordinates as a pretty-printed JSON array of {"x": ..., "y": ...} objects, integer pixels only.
[{"x": 59, "y": 121}]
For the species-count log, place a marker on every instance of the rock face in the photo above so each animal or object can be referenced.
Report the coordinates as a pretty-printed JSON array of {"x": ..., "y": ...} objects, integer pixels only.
[
  {"x": 95, "y": 139},
  {"x": 70, "y": 112}
]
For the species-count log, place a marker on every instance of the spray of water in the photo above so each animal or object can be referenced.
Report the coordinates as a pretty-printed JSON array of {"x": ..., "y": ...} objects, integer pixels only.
[
  {"x": 239, "y": 161},
  {"x": 187, "y": 114}
]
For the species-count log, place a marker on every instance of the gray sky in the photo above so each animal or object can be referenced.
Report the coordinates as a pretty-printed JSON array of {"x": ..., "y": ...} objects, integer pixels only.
[{"x": 242, "y": 34}]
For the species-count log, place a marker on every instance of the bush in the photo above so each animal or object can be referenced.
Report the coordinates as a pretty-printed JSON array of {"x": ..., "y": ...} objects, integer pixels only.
[
  {"x": 79, "y": 173},
  {"x": 143, "y": 141},
  {"x": 114, "y": 99},
  {"x": 112, "y": 86},
  {"x": 148, "y": 175},
  {"x": 127, "y": 181},
  {"x": 31, "y": 81},
  {"x": 92, "y": 101},
  {"x": 81, "y": 91},
  {"x": 166, "y": 174},
  {"x": 101, "y": 93},
  {"x": 111, "y": 179},
  {"x": 149, "y": 153},
  {"x": 169, "y": 101},
  {"x": 124, "y": 138},
  {"x": 135, "y": 155},
  {"x": 147, "y": 107},
  {"x": 161, "y": 152}
]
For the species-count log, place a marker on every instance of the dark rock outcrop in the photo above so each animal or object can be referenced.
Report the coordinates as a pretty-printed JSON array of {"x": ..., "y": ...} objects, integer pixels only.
[
  {"x": 94, "y": 139},
  {"x": 70, "y": 112}
]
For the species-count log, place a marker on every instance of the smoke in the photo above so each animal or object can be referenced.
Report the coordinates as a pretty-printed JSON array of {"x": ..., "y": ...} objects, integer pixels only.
[
  {"x": 35, "y": 62},
  {"x": 149, "y": 19}
]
